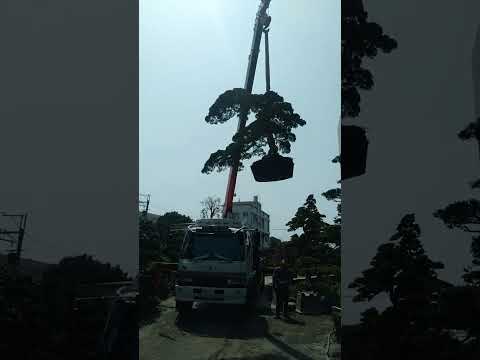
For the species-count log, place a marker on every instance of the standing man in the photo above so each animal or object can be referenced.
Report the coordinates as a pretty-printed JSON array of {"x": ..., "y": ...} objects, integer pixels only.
[
  {"x": 308, "y": 281},
  {"x": 281, "y": 279}
]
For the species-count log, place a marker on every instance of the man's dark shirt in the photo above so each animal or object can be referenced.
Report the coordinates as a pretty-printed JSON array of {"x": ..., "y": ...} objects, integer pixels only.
[{"x": 282, "y": 278}]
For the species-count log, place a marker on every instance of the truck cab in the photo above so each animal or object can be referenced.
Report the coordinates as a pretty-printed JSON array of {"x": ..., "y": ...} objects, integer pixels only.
[{"x": 219, "y": 264}]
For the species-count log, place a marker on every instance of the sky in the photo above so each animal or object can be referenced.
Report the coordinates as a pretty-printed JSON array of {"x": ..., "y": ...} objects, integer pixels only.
[
  {"x": 191, "y": 52},
  {"x": 69, "y": 133},
  {"x": 423, "y": 96}
]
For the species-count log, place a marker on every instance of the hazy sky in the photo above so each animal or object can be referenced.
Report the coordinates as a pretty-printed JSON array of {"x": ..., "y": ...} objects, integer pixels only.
[
  {"x": 422, "y": 98},
  {"x": 191, "y": 52},
  {"x": 69, "y": 127}
]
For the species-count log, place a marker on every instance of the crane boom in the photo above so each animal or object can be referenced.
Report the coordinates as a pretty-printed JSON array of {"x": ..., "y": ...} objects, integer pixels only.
[{"x": 260, "y": 20}]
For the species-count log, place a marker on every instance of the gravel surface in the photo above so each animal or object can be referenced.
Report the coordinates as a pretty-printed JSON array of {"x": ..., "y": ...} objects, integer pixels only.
[{"x": 214, "y": 332}]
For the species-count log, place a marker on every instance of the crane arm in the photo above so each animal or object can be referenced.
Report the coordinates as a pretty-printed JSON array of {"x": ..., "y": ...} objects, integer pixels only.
[{"x": 262, "y": 21}]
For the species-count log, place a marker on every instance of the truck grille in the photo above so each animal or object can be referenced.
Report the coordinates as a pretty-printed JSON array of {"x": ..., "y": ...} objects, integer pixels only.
[{"x": 206, "y": 279}]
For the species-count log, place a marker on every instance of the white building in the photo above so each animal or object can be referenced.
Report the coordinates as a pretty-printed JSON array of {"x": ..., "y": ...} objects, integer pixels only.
[{"x": 250, "y": 214}]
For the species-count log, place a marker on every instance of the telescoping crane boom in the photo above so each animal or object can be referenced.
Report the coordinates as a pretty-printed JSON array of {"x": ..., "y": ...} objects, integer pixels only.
[{"x": 262, "y": 21}]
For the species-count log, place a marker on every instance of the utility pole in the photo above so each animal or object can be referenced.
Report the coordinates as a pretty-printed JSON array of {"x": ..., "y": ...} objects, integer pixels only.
[
  {"x": 19, "y": 232},
  {"x": 144, "y": 203}
]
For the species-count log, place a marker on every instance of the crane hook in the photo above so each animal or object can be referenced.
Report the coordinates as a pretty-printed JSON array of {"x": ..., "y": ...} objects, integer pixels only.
[{"x": 266, "y": 22}]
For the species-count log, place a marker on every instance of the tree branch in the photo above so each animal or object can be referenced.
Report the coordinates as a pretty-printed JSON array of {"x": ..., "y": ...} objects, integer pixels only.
[{"x": 467, "y": 229}]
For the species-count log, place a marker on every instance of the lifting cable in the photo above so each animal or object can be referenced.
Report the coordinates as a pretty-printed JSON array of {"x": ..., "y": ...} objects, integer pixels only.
[{"x": 266, "y": 27}]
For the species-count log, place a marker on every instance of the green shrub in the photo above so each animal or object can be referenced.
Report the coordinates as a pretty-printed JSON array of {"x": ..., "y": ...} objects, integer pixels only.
[{"x": 324, "y": 288}]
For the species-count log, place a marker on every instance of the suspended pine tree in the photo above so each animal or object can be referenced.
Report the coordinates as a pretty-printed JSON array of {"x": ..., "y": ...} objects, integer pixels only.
[
  {"x": 272, "y": 128},
  {"x": 361, "y": 39}
]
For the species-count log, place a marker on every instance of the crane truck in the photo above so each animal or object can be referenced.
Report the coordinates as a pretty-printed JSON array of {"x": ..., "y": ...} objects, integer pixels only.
[
  {"x": 219, "y": 263},
  {"x": 219, "y": 259}
]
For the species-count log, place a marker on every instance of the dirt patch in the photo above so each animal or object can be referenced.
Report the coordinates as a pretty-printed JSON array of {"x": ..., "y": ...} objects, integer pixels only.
[{"x": 223, "y": 332}]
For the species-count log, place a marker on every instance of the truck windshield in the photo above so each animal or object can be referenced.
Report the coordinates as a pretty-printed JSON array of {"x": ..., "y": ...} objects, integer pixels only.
[{"x": 210, "y": 246}]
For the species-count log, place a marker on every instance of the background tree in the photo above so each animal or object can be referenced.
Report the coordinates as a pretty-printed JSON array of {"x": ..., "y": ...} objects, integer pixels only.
[
  {"x": 472, "y": 131},
  {"x": 211, "y": 207},
  {"x": 464, "y": 301},
  {"x": 275, "y": 242},
  {"x": 335, "y": 195},
  {"x": 315, "y": 250},
  {"x": 465, "y": 215},
  {"x": 410, "y": 327},
  {"x": 170, "y": 235},
  {"x": 334, "y": 231},
  {"x": 461, "y": 304},
  {"x": 160, "y": 239},
  {"x": 61, "y": 281},
  {"x": 22, "y": 317},
  {"x": 79, "y": 328},
  {"x": 319, "y": 239},
  {"x": 152, "y": 243},
  {"x": 403, "y": 271},
  {"x": 71, "y": 271},
  {"x": 159, "y": 242},
  {"x": 308, "y": 219},
  {"x": 274, "y": 121}
]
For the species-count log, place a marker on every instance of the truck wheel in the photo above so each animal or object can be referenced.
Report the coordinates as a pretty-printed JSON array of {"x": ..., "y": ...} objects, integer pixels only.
[
  {"x": 252, "y": 296},
  {"x": 248, "y": 309},
  {"x": 183, "y": 307}
]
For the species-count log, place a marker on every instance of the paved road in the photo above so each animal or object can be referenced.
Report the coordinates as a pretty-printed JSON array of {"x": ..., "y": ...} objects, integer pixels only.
[{"x": 222, "y": 332}]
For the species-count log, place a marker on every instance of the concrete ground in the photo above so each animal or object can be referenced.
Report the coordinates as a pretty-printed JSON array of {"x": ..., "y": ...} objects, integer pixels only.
[{"x": 214, "y": 332}]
